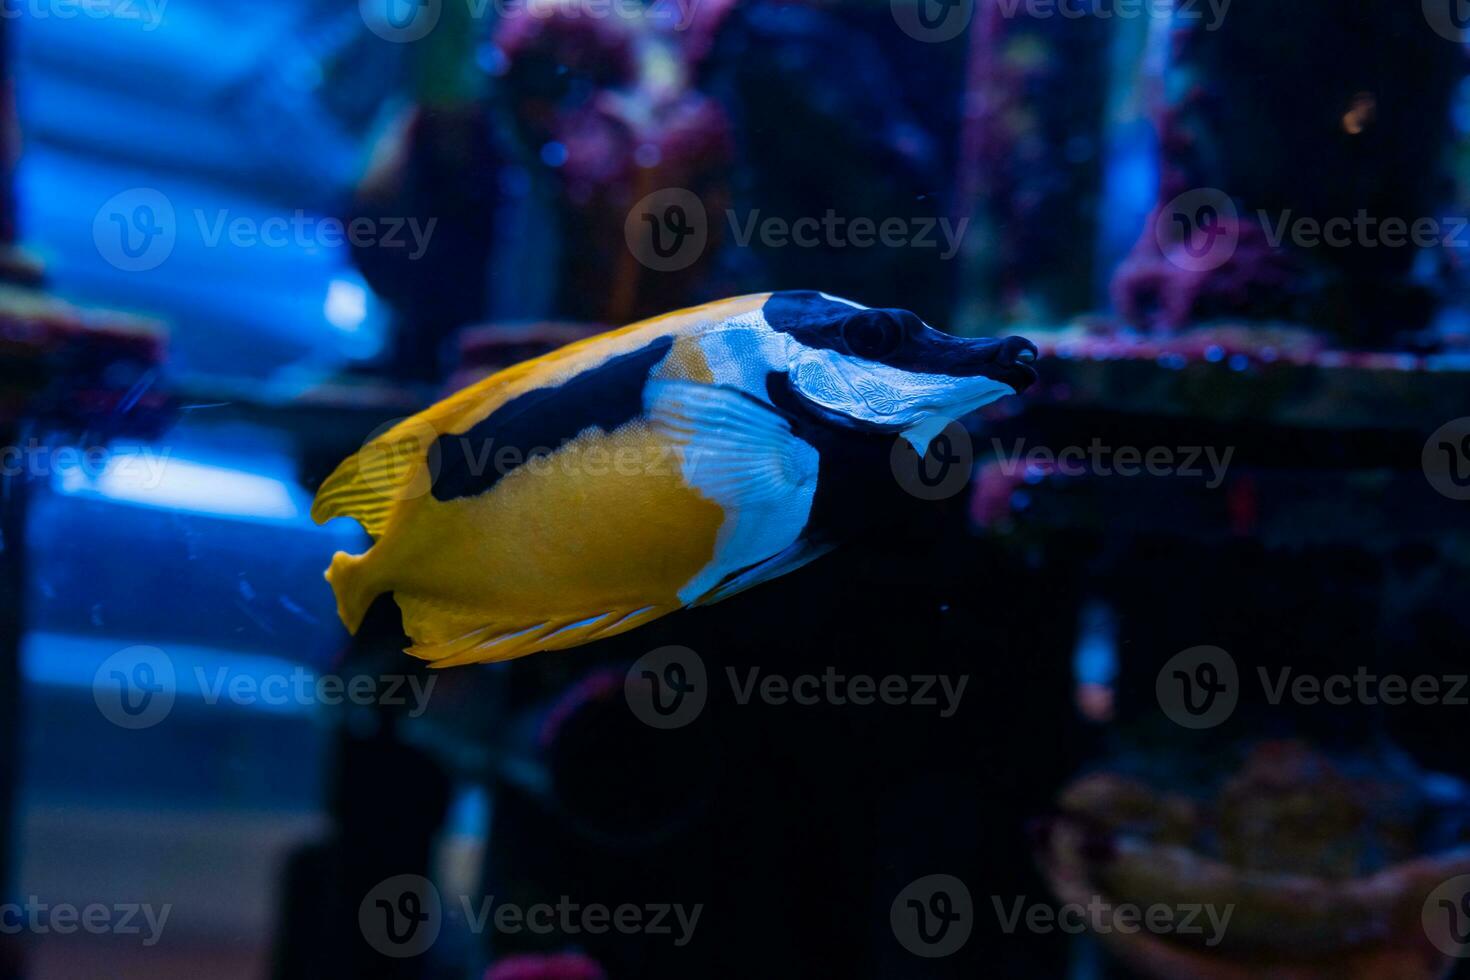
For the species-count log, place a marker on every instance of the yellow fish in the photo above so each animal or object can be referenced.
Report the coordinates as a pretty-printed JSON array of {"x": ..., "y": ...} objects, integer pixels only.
[{"x": 672, "y": 463}]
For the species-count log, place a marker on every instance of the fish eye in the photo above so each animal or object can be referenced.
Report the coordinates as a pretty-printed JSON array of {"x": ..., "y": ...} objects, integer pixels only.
[{"x": 874, "y": 334}]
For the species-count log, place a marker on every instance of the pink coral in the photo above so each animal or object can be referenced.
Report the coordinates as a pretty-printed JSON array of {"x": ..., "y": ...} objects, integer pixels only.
[{"x": 558, "y": 966}]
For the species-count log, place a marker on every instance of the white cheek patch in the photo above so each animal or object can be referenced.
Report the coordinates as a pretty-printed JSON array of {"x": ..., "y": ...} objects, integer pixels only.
[
  {"x": 817, "y": 381},
  {"x": 877, "y": 395},
  {"x": 921, "y": 405}
]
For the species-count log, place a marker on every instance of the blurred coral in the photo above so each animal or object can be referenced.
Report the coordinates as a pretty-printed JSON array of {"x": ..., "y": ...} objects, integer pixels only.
[
  {"x": 608, "y": 106},
  {"x": 1319, "y": 866},
  {"x": 558, "y": 966},
  {"x": 1159, "y": 288}
]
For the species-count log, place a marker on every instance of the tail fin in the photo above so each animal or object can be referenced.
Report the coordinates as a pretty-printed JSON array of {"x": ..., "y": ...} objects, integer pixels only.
[
  {"x": 354, "y": 588},
  {"x": 395, "y": 465},
  {"x": 390, "y": 467},
  {"x": 399, "y": 462}
]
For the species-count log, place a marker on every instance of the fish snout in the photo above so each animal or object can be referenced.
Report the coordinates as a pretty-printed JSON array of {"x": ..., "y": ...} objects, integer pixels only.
[
  {"x": 1018, "y": 356},
  {"x": 1011, "y": 360}
]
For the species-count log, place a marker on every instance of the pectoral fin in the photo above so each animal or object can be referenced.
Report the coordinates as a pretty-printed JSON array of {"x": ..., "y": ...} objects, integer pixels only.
[
  {"x": 740, "y": 453},
  {"x": 735, "y": 447}
]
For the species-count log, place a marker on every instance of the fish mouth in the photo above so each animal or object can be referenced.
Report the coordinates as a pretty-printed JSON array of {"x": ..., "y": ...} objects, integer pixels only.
[{"x": 1011, "y": 360}]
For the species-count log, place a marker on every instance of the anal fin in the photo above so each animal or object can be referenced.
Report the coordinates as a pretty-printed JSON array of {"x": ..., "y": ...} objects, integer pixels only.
[{"x": 496, "y": 643}]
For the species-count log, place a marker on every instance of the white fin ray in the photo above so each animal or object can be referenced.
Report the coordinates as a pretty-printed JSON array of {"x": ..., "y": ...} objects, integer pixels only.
[{"x": 742, "y": 455}]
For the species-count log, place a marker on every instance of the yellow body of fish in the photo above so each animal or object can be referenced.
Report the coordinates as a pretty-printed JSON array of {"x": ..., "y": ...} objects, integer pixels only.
[{"x": 594, "y": 539}]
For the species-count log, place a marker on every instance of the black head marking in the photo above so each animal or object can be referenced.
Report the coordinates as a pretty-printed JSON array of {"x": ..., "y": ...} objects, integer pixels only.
[{"x": 898, "y": 339}]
